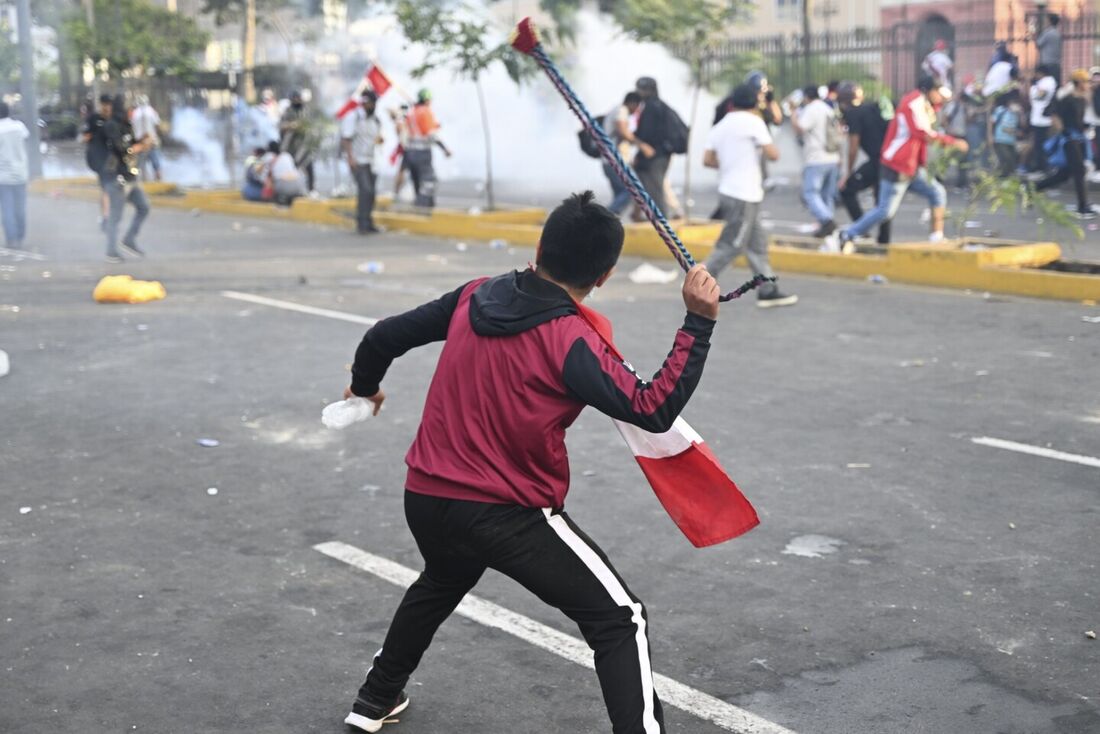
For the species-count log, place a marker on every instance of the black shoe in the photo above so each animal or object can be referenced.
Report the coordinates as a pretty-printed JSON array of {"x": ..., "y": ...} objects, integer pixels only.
[
  {"x": 1086, "y": 214},
  {"x": 371, "y": 229},
  {"x": 825, "y": 229},
  {"x": 774, "y": 299},
  {"x": 370, "y": 717},
  {"x": 131, "y": 249}
]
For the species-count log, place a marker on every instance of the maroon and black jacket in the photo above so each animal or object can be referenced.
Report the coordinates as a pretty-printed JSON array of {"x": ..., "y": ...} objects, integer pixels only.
[{"x": 518, "y": 366}]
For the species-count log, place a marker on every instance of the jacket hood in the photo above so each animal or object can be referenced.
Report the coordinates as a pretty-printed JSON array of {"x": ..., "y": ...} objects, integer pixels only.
[{"x": 515, "y": 302}]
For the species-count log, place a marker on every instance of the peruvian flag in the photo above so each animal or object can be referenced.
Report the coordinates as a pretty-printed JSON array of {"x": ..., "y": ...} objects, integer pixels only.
[
  {"x": 685, "y": 475},
  {"x": 375, "y": 79}
]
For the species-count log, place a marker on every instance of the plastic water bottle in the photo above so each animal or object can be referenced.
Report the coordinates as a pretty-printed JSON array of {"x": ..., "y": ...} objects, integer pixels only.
[
  {"x": 5, "y": 363},
  {"x": 343, "y": 413}
]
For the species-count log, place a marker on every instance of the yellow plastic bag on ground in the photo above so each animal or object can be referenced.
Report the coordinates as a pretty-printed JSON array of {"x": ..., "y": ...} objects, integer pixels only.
[{"x": 124, "y": 289}]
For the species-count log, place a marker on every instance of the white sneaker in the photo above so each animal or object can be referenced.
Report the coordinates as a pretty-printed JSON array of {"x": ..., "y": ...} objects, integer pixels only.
[
  {"x": 831, "y": 243},
  {"x": 935, "y": 237}
]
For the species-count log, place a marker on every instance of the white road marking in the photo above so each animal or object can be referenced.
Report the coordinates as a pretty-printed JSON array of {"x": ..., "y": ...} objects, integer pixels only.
[
  {"x": 291, "y": 306},
  {"x": 704, "y": 706},
  {"x": 1024, "y": 448},
  {"x": 21, "y": 254}
]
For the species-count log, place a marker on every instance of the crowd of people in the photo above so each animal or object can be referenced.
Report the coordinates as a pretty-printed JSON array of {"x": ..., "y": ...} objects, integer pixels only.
[{"x": 1040, "y": 130}]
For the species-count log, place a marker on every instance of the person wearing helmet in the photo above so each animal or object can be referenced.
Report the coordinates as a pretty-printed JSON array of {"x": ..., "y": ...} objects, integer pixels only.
[
  {"x": 903, "y": 160},
  {"x": 866, "y": 130},
  {"x": 421, "y": 128}
]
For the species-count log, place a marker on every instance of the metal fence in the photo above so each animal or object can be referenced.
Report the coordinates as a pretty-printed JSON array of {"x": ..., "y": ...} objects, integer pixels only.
[{"x": 887, "y": 59}]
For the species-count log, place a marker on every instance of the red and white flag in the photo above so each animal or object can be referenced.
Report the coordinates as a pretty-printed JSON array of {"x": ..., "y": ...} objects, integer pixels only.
[
  {"x": 375, "y": 79},
  {"x": 685, "y": 475}
]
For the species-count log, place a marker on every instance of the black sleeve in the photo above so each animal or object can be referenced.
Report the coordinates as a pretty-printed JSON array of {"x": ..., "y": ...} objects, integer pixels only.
[
  {"x": 612, "y": 387},
  {"x": 391, "y": 337}
]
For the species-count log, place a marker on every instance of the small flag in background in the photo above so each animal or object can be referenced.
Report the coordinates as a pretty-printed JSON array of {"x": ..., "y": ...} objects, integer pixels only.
[
  {"x": 685, "y": 475},
  {"x": 375, "y": 79}
]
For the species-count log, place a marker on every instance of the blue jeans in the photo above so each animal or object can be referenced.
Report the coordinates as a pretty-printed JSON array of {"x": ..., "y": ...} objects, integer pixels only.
[
  {"x": 620, "y": 194},
  {"x": 13, "y": 207},
  {"x": 819, "y": 183},
  {"x": 890, "y": 194},
  {"x": 118, "y": 195}
]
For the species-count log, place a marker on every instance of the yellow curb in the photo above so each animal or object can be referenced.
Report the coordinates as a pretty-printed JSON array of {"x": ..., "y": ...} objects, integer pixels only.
[{"x": 1001, "y": 266}]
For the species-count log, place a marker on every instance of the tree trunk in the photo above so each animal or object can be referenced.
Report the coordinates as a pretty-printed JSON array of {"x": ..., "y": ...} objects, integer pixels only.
[
  {"x": 64, "y": 75},
  {"x": 248, "y": 52},
  {"x": 687, "y": 154},
  {"x": 488, "y": 146}
]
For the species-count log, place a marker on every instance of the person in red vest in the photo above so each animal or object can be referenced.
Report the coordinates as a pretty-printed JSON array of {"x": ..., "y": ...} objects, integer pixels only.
[
  {"x": 488, "y": 471},
  {"x": 904, "y": 156}
]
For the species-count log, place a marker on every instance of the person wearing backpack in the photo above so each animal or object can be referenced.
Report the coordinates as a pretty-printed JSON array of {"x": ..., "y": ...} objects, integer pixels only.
[
  {"x": 819, "y": 127},
  {"x": 660, "y": 135},
  {"x": 95, "y": 150},
  {"x": 118, "y": 177},
  {"x": 1004, "y": 131},
  {"x": 1069, "y": 108}
]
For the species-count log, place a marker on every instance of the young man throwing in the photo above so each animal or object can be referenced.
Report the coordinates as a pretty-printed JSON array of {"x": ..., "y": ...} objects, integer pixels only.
[{"x": 488, "y": 471}]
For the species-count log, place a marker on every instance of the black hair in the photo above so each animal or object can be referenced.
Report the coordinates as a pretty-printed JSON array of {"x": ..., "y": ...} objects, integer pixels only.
[
  {"x": 632, "y": 98},
  {"x": 926, "y": 83},
  {"x": 106, "y": 99},
  {"x": 1053, "y": 18},
  {"x": 744, "y": 97},
  {"x": 580, "y": 241},
  {"x": 1012, "y": 95},
  {"x": 809, "y": 92},
  {"x": 5, "y": 111},
  {"x": 646, "y": 84},
  {"x": 832, "y": 85},
  {"x": 258, "y": 151},
  {"x": 273, "y": 146}
]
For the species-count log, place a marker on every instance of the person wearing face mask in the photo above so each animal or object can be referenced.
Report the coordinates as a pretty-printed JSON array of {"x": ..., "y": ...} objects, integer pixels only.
[
  {"x": 293, "y": 129},
  {"x": 360, "y": 134}
]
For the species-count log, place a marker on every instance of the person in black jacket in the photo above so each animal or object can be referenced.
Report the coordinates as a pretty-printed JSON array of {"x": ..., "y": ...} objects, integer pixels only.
[
  {"x": 1069, "y": 107},
  {"x": 118, "y": 177},
  {"x": 655, "y": 144},
  {"x": 488, "y": 471}
]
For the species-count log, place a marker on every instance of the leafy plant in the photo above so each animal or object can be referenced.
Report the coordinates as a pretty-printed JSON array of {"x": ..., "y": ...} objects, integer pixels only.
[
  {"x": 689, "y": 29},
  {"x": 456, "y": 37},
  {"x": 1011, "y": 194},
  {"x": 135, "y": 35}
]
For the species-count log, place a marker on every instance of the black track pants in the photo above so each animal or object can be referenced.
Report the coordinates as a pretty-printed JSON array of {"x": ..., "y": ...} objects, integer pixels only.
[{"x": 545, "y": 552}]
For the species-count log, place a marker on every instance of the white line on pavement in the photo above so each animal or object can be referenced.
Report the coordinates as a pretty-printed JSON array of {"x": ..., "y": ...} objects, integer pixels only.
[
  {"x": 697, "y": 703},
  {"x": 21, "y": 254},
  {"x": 1023, "y": 448},
  {"x": 291, "y": 306}
]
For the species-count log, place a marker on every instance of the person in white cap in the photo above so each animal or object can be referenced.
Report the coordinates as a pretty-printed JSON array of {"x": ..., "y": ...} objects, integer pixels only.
[{"x": 904, "y": 156}]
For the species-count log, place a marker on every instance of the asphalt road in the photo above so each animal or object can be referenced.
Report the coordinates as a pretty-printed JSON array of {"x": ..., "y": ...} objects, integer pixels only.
[{"x": 952, "y": 591}]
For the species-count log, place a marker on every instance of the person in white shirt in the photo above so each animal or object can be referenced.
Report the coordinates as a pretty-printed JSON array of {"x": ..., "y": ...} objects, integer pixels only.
[
  {"x": 734, "y": 147},
  {"x": 287, "y": 181},
  {"x": 360, "y": 134},
  {"x": 1041, "y": 95},
  {"x": 13, "y": 177},
  {"x": 938, "y": 64},
  {"x": 819, "y": 127},
  {"x": 145, "y": 120}
]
